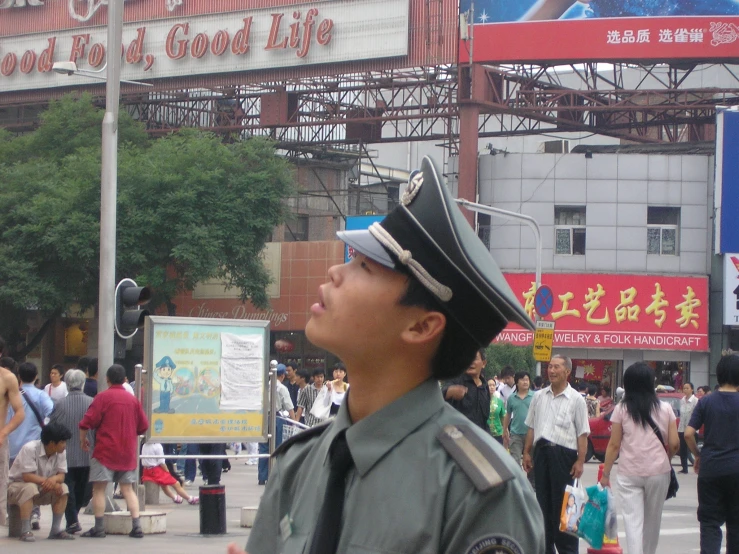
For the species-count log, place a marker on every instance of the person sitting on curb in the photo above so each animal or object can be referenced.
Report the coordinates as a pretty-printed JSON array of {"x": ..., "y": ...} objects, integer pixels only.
[
  {"x": 156, "y": 471},
  {"x": 37, "y": 478}
]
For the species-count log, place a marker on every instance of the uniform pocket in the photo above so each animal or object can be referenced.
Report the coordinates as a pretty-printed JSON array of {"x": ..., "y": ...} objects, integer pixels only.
[{"x": 295, "y": 544}]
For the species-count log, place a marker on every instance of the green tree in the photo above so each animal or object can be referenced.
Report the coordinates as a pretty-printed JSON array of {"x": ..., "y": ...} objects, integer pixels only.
[
  {"x": 190, "y": 208},
  {"x": 501, "y": 354}
]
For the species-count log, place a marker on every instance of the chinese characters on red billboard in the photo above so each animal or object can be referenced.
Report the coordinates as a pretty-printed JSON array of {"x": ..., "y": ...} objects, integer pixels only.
[
  {"x": 618, "y": 311},
  {"x": 556, "y": 30}
]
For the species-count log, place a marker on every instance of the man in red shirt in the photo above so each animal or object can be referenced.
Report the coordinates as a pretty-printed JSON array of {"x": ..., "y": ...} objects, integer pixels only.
[{"x": 117, "y": 419}]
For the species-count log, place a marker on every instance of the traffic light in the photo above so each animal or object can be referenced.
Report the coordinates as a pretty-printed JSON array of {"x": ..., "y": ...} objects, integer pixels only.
[{"x": 129, "y": 315}]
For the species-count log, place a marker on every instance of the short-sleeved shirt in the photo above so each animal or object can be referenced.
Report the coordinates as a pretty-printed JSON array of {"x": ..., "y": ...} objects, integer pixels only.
[
  {"x": 118, "y": 419},
  {"x": 56, "y": 393},
  {"x": 497, "y": 413},
  {"x": 686, "y": 411},
  {"x": 560, "y": 419},
  {"x": 284, "y": 402},
  {"x": 405, "y": 493},
  {"x": 642, "y": 454},
  {"x": 518, "y": 409},
  {"x": 306, "y": 399},
  {"x": 32, "y": 458},
  {"x": 30, "y": 428},
  {"x": 152, "y": 449},
  {"x": 719, "y": 412}
]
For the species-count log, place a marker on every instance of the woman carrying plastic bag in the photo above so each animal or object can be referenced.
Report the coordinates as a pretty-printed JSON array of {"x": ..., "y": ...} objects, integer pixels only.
[{"x": 644, "y": 465}]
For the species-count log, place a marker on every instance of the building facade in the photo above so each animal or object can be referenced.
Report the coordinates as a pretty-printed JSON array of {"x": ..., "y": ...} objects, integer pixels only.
[{"x": 626, "y": 245}]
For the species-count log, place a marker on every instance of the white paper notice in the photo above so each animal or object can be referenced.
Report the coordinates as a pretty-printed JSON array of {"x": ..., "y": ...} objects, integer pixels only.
[
  {"x": 580, "y": 372},
  {"x": 241, "y": 384},
  {"x": 242, "y": 372},
  {"x": 239, "y": 347}
]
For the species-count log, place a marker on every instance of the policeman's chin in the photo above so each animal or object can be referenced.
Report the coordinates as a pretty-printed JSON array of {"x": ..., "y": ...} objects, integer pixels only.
[{"x": 316, "y": 333}]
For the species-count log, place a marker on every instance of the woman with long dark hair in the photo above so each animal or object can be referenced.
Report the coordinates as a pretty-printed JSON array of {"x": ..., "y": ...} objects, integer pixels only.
[{"x": 644, "y": 462}]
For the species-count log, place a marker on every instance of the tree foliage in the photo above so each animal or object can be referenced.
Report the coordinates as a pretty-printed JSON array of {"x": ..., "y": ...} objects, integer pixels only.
[
  {"x": 190, "y": 208},
  {"x": 501, "y": 354}
]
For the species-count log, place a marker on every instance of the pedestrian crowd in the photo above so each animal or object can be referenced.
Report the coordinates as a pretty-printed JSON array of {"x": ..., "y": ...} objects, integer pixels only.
[
  {"x": 545, "y": 430},
  {"x": 62, "y": 445}
]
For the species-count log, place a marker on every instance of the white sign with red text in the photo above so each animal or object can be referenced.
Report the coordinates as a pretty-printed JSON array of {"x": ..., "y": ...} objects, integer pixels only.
[{"x": 307, "y": 34}]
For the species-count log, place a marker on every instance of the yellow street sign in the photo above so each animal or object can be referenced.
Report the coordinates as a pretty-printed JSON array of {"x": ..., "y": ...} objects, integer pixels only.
[{"x": 543, "y": 339}]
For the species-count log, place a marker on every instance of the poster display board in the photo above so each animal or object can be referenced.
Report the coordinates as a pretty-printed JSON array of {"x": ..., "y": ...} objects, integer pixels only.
[{"x": 206, "y": 379}]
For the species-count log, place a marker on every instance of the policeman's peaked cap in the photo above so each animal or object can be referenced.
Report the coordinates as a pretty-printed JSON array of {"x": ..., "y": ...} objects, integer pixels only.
[{"x": 428, "y": 234}]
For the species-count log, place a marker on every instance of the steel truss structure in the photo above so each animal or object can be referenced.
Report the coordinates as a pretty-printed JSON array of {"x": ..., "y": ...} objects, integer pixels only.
[
  {"x": 424, "y": 104},
  {"x": 659, "y": 105}
]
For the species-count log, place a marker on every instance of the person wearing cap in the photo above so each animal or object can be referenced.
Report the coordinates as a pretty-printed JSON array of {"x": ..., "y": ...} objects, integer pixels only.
[
  {"x": 414, "y": 305},
  {"x": 285, "y": 408}
]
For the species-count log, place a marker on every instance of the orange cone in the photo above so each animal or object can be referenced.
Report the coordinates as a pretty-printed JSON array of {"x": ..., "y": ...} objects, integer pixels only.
[{"x": 609, "y": 546}]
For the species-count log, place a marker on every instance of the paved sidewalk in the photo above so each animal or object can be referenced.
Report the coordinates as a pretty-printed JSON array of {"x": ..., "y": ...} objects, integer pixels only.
[{"x": 183, "y": 525}]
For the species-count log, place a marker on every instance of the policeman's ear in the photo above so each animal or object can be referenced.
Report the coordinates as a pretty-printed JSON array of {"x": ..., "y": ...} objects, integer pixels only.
[{"x": 426, "y": 327}]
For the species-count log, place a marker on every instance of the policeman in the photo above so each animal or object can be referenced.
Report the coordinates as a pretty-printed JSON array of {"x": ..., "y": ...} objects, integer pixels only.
[
  {"x": 399, "y": 470},
  {"x": 163, "y": 375}
]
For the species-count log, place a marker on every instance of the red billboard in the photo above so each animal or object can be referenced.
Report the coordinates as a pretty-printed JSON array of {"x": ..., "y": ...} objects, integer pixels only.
[
  {"x": 640, "y": 312},
  {"x": 602, "y": 30}
]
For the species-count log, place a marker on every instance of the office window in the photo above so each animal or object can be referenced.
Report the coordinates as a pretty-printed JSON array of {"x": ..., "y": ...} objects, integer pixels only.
[
  {"x": 297, "y": 229},
  {"x": 663, "y": 225},
  {"x": 483, "y": 229},
  {"x": 569, "y": 230}
]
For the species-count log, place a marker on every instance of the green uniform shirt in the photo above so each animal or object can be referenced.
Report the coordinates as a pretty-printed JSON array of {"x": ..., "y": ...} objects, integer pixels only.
[
  {"x": 405, "y": 494},
  {"x": 517, "y": 409},
  {"x": 497, "y": 412}
]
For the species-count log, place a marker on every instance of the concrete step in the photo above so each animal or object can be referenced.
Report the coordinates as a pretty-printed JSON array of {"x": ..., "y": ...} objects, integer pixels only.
[{"x": 119, "y": 523}]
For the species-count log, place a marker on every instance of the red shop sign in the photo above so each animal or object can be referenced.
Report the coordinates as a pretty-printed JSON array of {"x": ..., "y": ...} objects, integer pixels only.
[{"x": 618, "y": 311}]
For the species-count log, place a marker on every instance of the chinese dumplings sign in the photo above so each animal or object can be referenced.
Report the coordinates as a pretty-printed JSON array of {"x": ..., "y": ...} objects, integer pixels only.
[
  {"x": 603, "y": 30},
  {"x": 618, "y": 311}
]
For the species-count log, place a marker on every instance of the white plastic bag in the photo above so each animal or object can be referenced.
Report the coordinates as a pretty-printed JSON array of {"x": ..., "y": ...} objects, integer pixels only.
[
  {"x": 573, "y": 502},
  {"x": 611, "y": 532},
  {"x": 322, "y": 405}
]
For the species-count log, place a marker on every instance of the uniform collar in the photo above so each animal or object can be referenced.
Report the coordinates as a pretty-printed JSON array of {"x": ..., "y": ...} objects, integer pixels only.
[{"x": 375, "y": 435}]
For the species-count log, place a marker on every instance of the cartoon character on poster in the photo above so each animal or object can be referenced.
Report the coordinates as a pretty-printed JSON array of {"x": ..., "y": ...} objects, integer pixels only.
[
  {"x": 209, "y": 383},
  {"x": 163, "y": 375}
]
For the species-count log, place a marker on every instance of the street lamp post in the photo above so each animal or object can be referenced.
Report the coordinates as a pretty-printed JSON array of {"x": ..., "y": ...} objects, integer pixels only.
[{"x": 109, "y": 191}]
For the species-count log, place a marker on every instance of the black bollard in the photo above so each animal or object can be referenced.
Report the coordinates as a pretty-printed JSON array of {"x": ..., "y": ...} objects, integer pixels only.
[{"x": 213, "y": 510}]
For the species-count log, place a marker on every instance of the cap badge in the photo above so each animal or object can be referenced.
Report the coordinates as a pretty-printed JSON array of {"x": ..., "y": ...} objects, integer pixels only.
[{"x": 414, "y": 187}]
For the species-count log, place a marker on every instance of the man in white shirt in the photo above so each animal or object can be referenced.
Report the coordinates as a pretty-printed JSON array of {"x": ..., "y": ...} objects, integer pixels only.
[
  {"x": 558, "y": 426},
  {"x": 507, "y": 382},
  {"x": 687, "y": 405},
  {"x": 37, "y": 478}
]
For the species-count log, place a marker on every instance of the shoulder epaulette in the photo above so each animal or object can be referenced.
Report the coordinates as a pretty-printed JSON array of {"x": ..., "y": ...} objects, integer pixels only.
[
  {"x": 301, "y": 437},
  {"x": 475, "y": 457}
]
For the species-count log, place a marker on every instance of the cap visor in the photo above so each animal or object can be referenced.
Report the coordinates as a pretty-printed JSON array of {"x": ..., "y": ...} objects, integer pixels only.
[{"x": 363, "y": 242}]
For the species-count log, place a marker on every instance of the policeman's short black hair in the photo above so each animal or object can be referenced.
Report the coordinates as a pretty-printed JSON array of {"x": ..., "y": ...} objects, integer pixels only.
[
  {"x": 116, "y": 374},
  {"x": 727, "y": 371},
  {"x": 27, "y": 372},
  {"x": 457, "y": 349},
  {"x": 55, "y": 432}
]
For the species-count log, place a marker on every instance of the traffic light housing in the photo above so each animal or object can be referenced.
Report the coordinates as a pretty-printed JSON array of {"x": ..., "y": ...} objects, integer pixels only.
[{"x": 129, "y": 300}]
